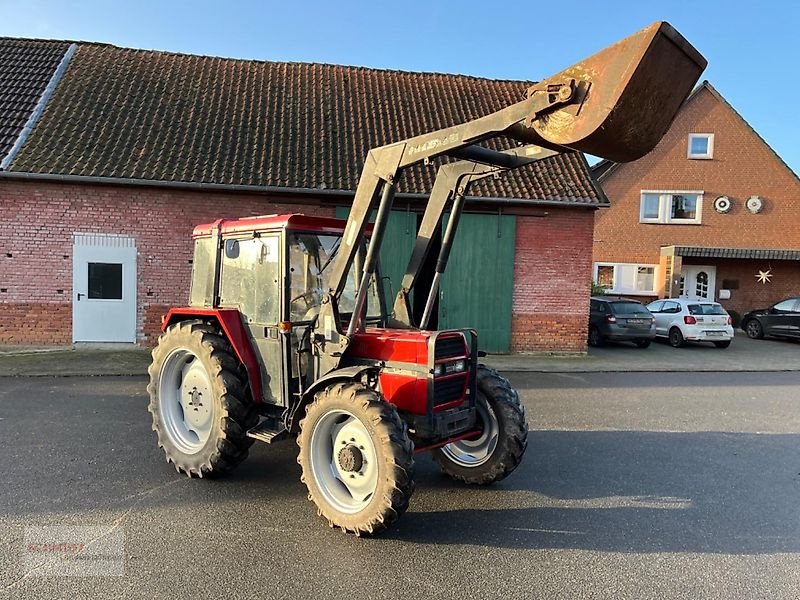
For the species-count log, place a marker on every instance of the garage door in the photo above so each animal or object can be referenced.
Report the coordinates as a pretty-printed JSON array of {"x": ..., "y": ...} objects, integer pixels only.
[
  {"x": 478, "y": 284},
  {"x": 476, "y": 288}
]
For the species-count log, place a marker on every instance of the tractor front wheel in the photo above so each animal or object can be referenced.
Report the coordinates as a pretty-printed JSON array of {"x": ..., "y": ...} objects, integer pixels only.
[
  {"x": 199, "y": 401},
  {"x": 356, "y": 457},
  {"x": 498, "y": 450}
]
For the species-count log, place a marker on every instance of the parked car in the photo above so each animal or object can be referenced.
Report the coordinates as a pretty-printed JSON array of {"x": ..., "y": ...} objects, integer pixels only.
[
  {"x": 620, "y": 320},
  {"x": 681, "y": 320},
  {"x": 779, "y": 320}
]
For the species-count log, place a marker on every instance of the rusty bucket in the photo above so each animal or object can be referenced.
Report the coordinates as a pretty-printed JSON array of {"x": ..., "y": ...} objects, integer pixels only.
[{"x": 629, "y": 92}]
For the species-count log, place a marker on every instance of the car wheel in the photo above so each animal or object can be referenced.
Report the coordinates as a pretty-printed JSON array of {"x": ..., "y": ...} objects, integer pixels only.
[
  {"x": 595, "y": 339},
  {"x": 676, "y": 338},
  {"x": 753, "y": 329},
  {"x": 724, "y": 344},
  {"x": 642, "y": 343}
]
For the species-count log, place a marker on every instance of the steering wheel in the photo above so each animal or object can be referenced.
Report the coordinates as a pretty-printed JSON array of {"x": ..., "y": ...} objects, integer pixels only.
[{"x": 307, "y": 297}]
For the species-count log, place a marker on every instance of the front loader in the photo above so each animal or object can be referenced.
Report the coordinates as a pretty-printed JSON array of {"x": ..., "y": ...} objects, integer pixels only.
[{"x": 288, "y": 332}]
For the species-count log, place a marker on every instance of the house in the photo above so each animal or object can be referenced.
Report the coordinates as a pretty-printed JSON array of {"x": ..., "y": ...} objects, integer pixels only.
[
  {"x": 109, "y": 157},
  {"x": 712, "y": 212}
]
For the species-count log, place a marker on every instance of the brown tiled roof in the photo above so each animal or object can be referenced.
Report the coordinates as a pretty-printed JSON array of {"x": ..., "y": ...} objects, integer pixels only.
[
  {"x": 26, "y": 67},
  {"x": 149, "y": 115}
]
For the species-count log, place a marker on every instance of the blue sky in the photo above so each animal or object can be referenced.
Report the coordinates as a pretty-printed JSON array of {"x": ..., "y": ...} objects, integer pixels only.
[{"x": 752, "y": 47}]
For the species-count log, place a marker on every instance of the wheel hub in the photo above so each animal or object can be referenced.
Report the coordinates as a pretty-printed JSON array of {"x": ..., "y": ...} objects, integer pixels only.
[
  {"x": 350, "y": 459},
  {"x": 186, "y": 401},
  {"x": 344, "y": 461}
]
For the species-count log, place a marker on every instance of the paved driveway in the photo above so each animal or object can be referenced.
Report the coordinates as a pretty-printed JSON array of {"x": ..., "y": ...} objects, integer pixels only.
[
  {"x": 743, "y": 354},
  {"x": 635, "y": 486}
]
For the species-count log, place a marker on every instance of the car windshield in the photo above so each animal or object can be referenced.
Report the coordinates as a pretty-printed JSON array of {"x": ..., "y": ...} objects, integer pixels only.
[
  {"x": 310, "y": 258},
  {"x": 706, "y": 309},
  {"x": 627, "y": 308}
]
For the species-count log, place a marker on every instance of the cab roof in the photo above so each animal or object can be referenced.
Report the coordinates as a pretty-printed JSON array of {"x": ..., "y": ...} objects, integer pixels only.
[{"x": 273, "y": 222}]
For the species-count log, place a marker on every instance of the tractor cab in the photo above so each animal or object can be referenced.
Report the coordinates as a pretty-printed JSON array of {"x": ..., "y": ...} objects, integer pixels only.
[{"x": 274, "y": 271}]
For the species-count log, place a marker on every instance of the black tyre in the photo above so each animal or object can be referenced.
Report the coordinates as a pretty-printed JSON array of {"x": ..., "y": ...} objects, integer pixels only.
[
  {"x": 595, "y": 339},
  {"x": 724, "y": 344},
  {"x": 199, "y": 400},
  {"x": 753, "y": 329},
  {"x": 676, "y": 338},
  {"x": 357, "y": 459},
  {"x": 642, "y": 343},
  {"x": 499, "y": 449}
]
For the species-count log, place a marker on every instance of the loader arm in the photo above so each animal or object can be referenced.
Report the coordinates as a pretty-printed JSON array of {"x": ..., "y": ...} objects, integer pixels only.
[
  {"x": 450, "y": 187},
  {"x": 617, "y": 104}
]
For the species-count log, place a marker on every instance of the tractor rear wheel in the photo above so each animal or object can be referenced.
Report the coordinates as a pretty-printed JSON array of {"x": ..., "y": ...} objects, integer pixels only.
[
  {"x": 498, "y": 450},
  {"x": 199, "y": 400},
  {"x": 356, "y": 457}
]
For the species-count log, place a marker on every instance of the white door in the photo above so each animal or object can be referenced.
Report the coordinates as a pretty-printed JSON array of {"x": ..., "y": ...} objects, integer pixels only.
[
  {"x": 698, "y": 282},
  {"x": 103, "y": 288}
]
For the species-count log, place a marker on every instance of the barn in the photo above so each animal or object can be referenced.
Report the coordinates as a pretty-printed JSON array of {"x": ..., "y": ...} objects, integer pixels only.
[{"x": 109, "y": 156}]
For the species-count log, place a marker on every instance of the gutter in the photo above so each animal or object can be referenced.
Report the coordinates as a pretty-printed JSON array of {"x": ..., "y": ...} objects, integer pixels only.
[
  {"x": 267, "y": 189},
  {"x": 39, "y": 108}
]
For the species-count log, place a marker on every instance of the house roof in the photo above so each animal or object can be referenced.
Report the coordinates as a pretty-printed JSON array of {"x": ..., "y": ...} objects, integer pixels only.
[
  {"x": 605, "y": 167},
  {"x": 26, "y": 67},
  {"x": 164, "y": 117},
  {"x": 755, "y": 253}
]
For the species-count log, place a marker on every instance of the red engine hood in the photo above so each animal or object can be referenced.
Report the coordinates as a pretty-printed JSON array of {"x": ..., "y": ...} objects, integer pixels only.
[{"x": 396, "y": 345}]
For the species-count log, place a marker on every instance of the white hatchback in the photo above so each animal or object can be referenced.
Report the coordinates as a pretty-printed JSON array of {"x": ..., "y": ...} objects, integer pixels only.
[{"x": 681, "y": 320}]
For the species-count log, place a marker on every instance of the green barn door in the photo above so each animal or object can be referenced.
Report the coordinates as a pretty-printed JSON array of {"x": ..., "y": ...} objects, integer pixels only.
[
  {"x": 478, "y": 284},
  {"x": 401, "y": 231}
]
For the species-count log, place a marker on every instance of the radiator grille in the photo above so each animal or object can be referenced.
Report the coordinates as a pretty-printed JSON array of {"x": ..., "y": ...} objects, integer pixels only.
[
  {"x": 448, "y": 390},
  {"x": 447, "y": 347}
]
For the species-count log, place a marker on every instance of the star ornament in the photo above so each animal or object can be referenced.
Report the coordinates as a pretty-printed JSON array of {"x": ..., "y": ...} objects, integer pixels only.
[{"x": 764, "y": 276}]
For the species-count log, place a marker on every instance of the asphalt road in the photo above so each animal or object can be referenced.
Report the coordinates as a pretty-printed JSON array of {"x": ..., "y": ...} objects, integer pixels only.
[{"x": 637, "y": 485}]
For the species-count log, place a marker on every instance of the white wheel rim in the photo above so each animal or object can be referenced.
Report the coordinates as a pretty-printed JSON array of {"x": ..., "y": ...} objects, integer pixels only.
[
  {"x": 185, "y": 401},
  {"x": 475, "y": 452},
  {"x": 344, "y": 462}
]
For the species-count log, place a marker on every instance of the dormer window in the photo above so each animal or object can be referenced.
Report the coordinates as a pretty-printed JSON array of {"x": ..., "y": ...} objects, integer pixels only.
[{"x": 701, "y": 145}]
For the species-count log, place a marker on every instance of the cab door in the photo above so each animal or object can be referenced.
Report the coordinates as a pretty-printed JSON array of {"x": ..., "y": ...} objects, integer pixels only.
[{"x": 250, "y": 281}]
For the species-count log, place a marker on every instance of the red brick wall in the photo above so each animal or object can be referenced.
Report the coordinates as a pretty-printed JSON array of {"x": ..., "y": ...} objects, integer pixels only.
[
  {"x": 742, "y": 166},
  {"x": 36, "y": 230},
  {"x": 552, "y": 275},
  {"x": 552, "y": 267},
  {"x": 785, "y": 281}
]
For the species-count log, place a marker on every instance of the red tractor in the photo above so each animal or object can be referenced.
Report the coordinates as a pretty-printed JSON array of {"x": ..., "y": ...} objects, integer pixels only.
[{"x": 288, "y": 332}]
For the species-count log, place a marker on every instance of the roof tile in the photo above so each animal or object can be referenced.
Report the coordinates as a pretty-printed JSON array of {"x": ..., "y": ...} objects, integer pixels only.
[
  {"x": 124, "y": 113},
  {"x": 26, "y": 67}
]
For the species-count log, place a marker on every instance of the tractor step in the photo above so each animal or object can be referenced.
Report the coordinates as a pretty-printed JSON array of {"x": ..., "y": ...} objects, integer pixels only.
[{"x": 268, "y": 431}]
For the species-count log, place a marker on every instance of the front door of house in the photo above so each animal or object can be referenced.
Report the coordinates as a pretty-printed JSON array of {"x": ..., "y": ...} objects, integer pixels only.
[
  {"x": 698, "y": 281},
  {"x": 103, "y": 288}
]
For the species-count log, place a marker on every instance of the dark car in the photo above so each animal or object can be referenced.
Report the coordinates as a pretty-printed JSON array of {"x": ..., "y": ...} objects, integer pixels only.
[
  {"x": 620, "y": 321},
  {"x": 779, "y": 320}
]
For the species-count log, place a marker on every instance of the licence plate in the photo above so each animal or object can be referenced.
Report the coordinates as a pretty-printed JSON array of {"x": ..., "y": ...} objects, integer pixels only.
[
  {"x": 636, "y": 321},
  {"x": 715, "y": 333}
]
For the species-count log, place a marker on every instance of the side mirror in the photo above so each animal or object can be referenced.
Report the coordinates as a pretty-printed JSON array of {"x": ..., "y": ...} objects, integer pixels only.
[{"x": 232, "y": 248}]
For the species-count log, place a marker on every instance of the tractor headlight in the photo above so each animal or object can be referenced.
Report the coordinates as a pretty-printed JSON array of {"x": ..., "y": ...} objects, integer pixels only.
[{"x": 456, "y": 366}]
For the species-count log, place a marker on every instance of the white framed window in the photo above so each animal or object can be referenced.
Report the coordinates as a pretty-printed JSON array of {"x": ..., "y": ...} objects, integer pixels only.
[
  {"x": 701, "y": 145},
  {"x": 627, "y": 278},
  {"x": 671, "y": 207}
]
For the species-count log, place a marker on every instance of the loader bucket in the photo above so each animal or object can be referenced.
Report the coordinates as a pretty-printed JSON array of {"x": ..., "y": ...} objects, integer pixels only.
[{"x": 631, "y": 93}]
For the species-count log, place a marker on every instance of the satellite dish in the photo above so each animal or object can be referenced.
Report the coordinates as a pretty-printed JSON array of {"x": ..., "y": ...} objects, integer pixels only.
[
  {"x": 754, "y": 204},
  {"x": 722, "y": 204}
]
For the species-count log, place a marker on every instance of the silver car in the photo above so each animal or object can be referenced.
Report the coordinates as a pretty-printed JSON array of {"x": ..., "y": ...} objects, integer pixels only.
[{"x": 681, "y": 320}]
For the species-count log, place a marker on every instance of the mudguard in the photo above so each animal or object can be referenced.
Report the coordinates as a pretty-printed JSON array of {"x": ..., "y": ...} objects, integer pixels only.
[
  {"x": 230, "y": 320},
  {"x": 351, "y": 373}
]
